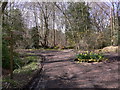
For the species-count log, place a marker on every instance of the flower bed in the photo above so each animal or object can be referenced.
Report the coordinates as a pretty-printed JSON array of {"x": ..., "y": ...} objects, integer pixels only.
[{"x": 89, "y": 57}]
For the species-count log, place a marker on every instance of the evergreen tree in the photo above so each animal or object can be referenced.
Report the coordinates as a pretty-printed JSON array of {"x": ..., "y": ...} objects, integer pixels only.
[
  {"x": 78, "y": 14},
  {"x": 35, "y": 37}
]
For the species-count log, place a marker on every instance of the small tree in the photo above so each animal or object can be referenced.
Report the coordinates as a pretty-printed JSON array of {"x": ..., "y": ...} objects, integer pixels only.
[{"x": 35, "y": 37}]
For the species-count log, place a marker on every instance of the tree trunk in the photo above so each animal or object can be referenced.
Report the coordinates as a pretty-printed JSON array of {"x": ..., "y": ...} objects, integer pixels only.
[{"x": 54, "y": 25}]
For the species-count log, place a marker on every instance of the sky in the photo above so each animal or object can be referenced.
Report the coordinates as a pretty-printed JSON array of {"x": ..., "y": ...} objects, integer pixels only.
[{"x": 31, "y": 17}]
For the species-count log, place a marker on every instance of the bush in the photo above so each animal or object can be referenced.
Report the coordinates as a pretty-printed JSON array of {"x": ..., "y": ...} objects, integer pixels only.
[
  {"x": 89, "y": 57},
  {"x": 109, "y": 49},
  {"x": 17, "y": 63},
  {"x": 6, "y": 57}
]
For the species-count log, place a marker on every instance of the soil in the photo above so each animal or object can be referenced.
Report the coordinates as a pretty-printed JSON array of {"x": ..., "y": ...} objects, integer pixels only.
[{"x": 61, "y": 71}]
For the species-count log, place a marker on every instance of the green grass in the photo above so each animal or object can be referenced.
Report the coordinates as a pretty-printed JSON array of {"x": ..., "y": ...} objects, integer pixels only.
[
  {"x": 29, "y": 59},
  {"x": 10, "y": 81},
  {"x": 22, "y": 76},
  {"x": 28, "y": 68}
]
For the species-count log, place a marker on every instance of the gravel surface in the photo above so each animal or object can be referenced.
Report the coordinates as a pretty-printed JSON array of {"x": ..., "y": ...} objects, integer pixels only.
[{"x": 60, "y": 71}]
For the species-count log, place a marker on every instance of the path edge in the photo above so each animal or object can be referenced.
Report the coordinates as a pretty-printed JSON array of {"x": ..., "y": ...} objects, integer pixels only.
[{"x": 25, "y": 87}]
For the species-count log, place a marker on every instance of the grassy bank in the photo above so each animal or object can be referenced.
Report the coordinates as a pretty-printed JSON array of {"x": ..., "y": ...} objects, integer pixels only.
[{"x": 22, "y": 76}]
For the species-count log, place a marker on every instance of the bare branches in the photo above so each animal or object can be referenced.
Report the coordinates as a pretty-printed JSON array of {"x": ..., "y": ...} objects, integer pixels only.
[
  {"x": 103, "y": 9},
  {"x": 63, "y": 13}
]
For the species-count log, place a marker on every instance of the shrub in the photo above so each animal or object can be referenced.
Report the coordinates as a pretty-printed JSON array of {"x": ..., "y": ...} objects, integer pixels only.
[
  {"x": 6, "y": 57},
  {"x": 17, "y": 62},
  {"x": 113, "y": 49},
  {"x": 90, "y": 57}
]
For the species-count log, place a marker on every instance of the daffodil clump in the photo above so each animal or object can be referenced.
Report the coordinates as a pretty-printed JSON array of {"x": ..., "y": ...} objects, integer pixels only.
[{"x": 90, "y": 57}]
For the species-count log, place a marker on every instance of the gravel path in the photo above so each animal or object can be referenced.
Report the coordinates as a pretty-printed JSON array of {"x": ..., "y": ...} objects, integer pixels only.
[{"x": 60, "y": 71}]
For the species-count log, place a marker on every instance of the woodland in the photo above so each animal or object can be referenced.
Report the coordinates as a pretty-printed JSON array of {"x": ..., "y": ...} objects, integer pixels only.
[{"x": 36, "y": 34}]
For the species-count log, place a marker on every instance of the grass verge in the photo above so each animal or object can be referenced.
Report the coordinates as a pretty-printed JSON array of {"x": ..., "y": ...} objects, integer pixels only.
[{"x": 21, "y": 76}]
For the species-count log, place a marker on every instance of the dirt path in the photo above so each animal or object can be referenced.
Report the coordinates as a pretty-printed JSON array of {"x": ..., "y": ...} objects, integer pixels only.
[{"x": 60, "y": 71}]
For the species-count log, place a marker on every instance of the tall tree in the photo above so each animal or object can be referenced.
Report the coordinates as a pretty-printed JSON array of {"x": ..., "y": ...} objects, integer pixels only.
[
  {"x": 13, "y": 29},
  {"x": 54, "y": 39},
  {"x": 78, "y": 15}
]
